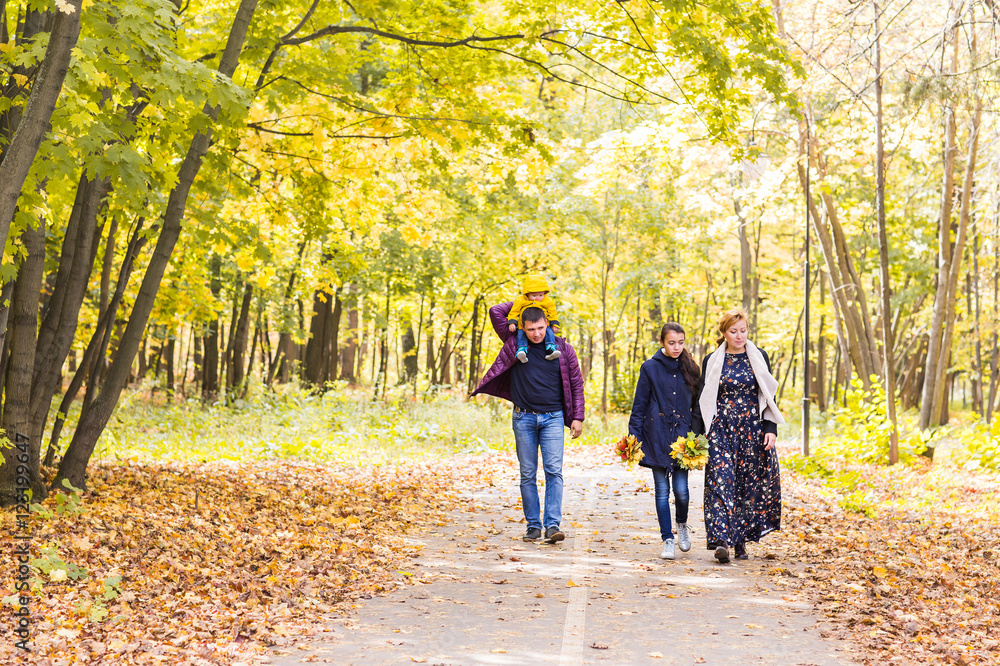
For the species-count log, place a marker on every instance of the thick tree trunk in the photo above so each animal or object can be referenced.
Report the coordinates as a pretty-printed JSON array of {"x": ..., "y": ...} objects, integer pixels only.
[
  {"x": 17, "y": 381},
  {"x": 58, "y": 327},
  {"x": 314, "y": 366},
  {"x": 35, "y": 122},
  {"x": 93, "y": 421}
]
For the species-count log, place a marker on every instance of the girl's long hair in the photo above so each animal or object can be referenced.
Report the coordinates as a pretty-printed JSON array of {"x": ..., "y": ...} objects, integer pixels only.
[{"x": 689, "y": 368}]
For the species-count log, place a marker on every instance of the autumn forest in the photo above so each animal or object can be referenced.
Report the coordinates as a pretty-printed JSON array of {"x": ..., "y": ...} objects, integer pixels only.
[{"x": 268, "y": 232}]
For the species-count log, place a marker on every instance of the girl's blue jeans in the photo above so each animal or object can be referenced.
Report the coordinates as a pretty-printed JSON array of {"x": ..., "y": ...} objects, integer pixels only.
[{"x": 661, "y": 488}]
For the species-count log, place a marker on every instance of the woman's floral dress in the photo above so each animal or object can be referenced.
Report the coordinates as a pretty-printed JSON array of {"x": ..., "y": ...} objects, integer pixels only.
[{"x": 742, "y": 482}]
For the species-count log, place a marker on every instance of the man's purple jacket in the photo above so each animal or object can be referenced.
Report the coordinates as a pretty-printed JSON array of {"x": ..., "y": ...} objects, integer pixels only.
[{"x": 496, "y": 381}]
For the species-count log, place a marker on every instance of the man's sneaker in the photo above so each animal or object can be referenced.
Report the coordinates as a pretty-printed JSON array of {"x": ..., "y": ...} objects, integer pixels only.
[
  {"x": 552, "y": 352},
  {"x": 722, "y": 554},
  {"x": 683, "y": 537},
  {"x": 553, "y": 535},
  {"x": 741, "y": 552},
  {"x": 533, "y": 534},
  {"x": 668, "y": 550},
  {"x": 522, "y": 355}
]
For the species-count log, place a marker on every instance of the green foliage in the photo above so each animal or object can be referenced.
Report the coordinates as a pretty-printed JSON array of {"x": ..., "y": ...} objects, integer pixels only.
[
  {"x": 51, "y": 565},
  {"x": 979, "y": 445},
  {"x": 65, "y": 503},
  {"x": 859, "y": 431},
  {"x": 338, "y": 424},
  {"x": 847, "y": 483}
]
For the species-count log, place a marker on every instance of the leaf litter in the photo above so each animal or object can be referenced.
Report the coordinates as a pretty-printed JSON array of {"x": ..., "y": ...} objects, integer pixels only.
[
  {"x": 270, "y": 551},
  {"x": 912, "y": 574}
]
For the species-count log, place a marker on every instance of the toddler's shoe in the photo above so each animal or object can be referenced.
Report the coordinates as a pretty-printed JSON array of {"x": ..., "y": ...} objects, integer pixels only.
[
  {"x": 522, "y": 355},
  {"x": 552, "y": 352}
]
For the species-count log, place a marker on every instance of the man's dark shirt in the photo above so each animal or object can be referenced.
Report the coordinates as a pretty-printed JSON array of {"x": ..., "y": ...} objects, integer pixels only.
[{"x": 537, "y": 386}]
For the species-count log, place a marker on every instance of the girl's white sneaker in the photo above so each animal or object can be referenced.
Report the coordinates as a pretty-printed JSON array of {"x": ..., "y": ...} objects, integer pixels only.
[
  {"x": 668, "y": 550},
  {"x": 683, "y": 537}
]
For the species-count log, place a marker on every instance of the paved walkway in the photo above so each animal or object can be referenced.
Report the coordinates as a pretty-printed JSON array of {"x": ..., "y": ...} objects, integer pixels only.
[{"x": 601, "y": 596}]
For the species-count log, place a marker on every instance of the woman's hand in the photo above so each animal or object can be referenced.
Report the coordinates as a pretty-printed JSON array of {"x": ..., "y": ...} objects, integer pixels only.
[{"x": 769, "y": 439}]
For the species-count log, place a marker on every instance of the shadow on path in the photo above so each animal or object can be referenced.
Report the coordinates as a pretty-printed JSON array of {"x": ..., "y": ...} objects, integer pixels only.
[{"x": 601, "y": 596}]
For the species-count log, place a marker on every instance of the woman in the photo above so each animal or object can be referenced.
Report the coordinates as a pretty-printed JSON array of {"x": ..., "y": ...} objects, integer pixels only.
[
  {"x": 742, "y": 483},
  {"x": 663, "y": 410}
]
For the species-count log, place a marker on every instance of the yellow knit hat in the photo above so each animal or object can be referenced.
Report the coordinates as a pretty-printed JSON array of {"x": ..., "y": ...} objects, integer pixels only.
[{"x": 534, "y": 283}]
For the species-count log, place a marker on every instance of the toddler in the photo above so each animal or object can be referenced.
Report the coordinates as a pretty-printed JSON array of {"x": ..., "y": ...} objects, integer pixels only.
[{"x": 534, "y": 293}]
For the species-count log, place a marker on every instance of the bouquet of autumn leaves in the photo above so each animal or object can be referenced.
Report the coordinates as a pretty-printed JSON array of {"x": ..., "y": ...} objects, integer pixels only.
[
  {"x": 690, "y": 451},
  {"x": 629, "y": 450}
]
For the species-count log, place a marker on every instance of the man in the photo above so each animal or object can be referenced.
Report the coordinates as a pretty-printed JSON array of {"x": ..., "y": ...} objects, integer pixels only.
[{"x": 547, "y": 395}]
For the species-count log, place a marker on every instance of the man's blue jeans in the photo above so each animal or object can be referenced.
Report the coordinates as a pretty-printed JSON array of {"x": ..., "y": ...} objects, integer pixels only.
[
  {"x": 534, "y": 433},
  {"x": 661, "y": 487}
]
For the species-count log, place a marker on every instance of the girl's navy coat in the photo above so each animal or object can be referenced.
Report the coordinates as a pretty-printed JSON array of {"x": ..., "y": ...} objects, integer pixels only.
[{"x": 662, "y": 409}]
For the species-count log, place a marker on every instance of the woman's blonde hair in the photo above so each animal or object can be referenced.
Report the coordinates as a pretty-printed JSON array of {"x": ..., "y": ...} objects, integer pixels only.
[{"x": 727, "y": 320}]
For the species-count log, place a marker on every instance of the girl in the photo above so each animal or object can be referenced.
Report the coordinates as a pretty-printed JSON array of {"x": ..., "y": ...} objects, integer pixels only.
[
  {"x": 742, "y": 483},
  {"x": 663, "y": 410}
]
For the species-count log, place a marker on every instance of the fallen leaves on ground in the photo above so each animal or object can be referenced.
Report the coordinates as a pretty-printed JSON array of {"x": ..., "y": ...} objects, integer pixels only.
[
  {"x": 917, "y": 582},
  {"x": 214, "y": 563}
]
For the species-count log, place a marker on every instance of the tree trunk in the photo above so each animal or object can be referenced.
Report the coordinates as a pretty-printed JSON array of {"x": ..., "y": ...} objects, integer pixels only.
[
  {"x": 332, "y": 343},
  {"x": 35, "y": 121},
  {"x": 819, "y": 376},
  {"x": 17, "y": 382},
  {"x": 314, "y": 367},
  {"x": 746, "y": 265},
  {"x": 239, "y": 349},
  {"x": 935, "y": 351},
  {"x": 31, "y": 24},
  {"x": 473, "y": 350},
  {"x": 431, "y": 362},
  {"x": 58, "y": 326},
  {"x": 888, "y": 364},
  {"x": 410, "y": 365},
  {"x": 93, "y": 421},
  {"x": 445, "y": 365},
  {"x": 210, "y": 383},
  {"x": 168, "y": 353},
  {"x": 977, "y": 371},
  {"x": 348, "y": 356},
  {"x": 995, "y": 355},
  {"x": 954, "y": 267},
  {"x": 846, "y": 316}
]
